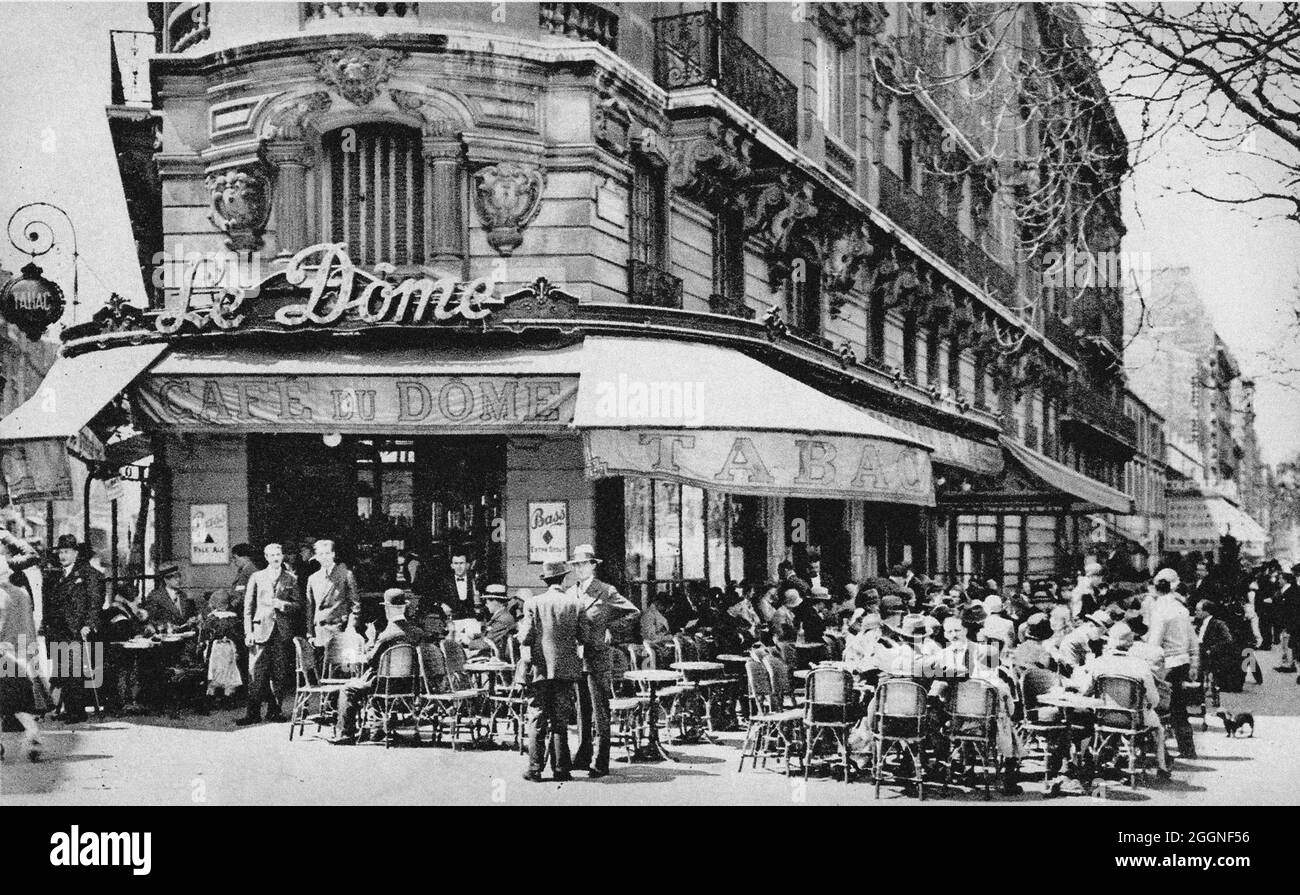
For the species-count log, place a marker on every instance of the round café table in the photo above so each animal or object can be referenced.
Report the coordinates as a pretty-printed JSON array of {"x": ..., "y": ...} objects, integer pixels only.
[
  {"x": 1072, "y": 704},
  {"x": 491, "y": 668},
  {"x": 653, "y": 678},
  {"x": 735, "y": 665},
  {"x": 697, "y": 672}
]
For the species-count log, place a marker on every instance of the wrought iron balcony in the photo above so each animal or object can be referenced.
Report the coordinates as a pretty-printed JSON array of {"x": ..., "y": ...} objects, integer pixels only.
[
  {"x": 648, "y": 285},
  {"x": 315, "y": 12},
  {"x": 720, "y": 304},
  {"x": 580, "y": 21},
  {"x": 918, "y": 216},
  {"x": 1086, "y": 408},
  {"x": 695, "y": 50},
  {"x": 183, "y": 25}
]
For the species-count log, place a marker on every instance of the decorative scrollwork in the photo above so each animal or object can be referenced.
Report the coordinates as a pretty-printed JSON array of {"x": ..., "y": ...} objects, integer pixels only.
[
  {"x": 357, "y": 72},
  {"x": 508, "y": 196}
]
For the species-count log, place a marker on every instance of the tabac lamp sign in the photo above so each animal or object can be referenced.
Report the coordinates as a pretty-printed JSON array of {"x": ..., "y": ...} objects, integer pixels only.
[{"x": 31, "y": 302}]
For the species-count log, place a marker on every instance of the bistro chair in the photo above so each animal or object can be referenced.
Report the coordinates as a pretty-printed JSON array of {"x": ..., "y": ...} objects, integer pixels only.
[
  {"x": 626, "y": 713},
  {"x": 1042, "y": 728},
  {"x": 772, "y": 732},
  {"x": 309, "y": 686},
  {"x": 397, "y": 690},
  {"x": 898, "y": 727},
  {"x": 640, "y": 655},
  {"x": 973, "y": 730},
  {"x": 345, "y": 655},
  {"x": 1121, "y": 722},
  {"x": 828, "y": 713},
  {"x": 456, "y": 658},
  {"x": 510, "y": 704},
  {"x": 439, "y": 702}
]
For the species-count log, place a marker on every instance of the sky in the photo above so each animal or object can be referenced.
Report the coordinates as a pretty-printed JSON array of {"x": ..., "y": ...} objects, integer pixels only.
[{"x": 55, "y": 147}]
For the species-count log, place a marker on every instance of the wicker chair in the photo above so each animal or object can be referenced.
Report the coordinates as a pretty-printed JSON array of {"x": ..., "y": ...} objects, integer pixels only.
[
  {"x": 439, "y": 702},
  {"x": 345, "y": 655},
  {"x": 772, "y": 732},
  {"x": 309, "y": 686},
  {"x": 829, "y": 713},
  {"x": 973, "y": 730},
  {"x": 397, "y": 690},
  {"x": 899, "y": 727},
  {"x": 1121, "y": 721}
]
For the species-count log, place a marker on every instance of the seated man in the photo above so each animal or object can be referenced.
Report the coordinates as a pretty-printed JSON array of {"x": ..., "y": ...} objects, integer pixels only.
[
  {"x": 353, "y": 695},
  {"x": 1031, "y": 653},
  {"x": 501, "y": 621},
  {"x": 1076, "y": 648},
  {"x": 654, "y": 621},
  {"x": 860, "y": 649},
  {"x": 1116, "y": 660},
  {"x": 168, "y": 606}
]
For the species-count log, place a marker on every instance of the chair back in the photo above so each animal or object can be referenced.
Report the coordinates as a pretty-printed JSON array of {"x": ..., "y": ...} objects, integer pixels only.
[
  {"x": 973, "y": 708},
  {"x": 760, "y": 685},
  {"x": 512, "y": 650},
  {"x": 900, "y": 708},
  {"x": 789, "y": 655},
  {"x": 706, "y": 648},
  {"x": 305, "y": 656},
  {"x": 834, "y": 647},
  {"x": 830, "y": 696},
  {"x": 639, "y": 656},
  {"x": 1034, "y": 682},
  {"x": 433, "y": 668},
  {"x": 456, "y": 658},
  {"x": 1123, "y": 702},
  {"x": 345, "y": 653},
  {"x": 779, "y": 674},
  {"x": 399, "y": 671}
]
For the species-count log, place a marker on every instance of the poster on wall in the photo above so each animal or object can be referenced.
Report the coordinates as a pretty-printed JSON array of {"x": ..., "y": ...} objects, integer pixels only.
[
  {"x": 209, "y": 534},
  {"x": 548, "y": 530}
]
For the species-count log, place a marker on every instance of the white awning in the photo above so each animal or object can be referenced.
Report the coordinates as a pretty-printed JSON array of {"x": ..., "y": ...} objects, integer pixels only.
[
  {"x": 714, "y": 417},
  {"x": 74, "y": 390},
  {"x": 1198, "y": 521},
  {"x": 1091, "y": 493}
]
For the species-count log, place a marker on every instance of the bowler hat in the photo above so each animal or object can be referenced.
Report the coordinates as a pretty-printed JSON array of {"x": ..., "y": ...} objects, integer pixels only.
[
  {"x": 554, "y": 568},
  {"x": 584, "y": 553},
  {"x": 1039, "y": 628},
  {"x": 66, "y": 542}
]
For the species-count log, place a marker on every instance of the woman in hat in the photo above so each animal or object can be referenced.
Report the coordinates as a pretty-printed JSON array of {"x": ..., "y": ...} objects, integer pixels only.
[{"x": 22, "y": 691}]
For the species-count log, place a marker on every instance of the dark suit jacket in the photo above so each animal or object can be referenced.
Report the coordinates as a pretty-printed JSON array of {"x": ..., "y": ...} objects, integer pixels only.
[
  {"x": 162, "y": 610},
  {"x": 603, "y": 605},
  {"x": 553, "y": 627},
  {"x": 395, "y": 632},
  {"x": 499, "y": 628},
  {"x": 445, "y": 592},
  {"x": 72, "y": 602}
]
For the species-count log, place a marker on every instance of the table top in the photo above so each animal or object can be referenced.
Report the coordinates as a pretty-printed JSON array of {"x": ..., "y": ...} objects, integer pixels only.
[
  {"x": 487, "y": 666},
  {"x": 652, "y": 675},
  {"x": 697, "y": 666},
  {"x": 802, "y": 673},
  {"x": 1069, "y": 700},
  {"x": 733, "y": 657},
  {"x": 809, "y": 644},
  {"x": 135, "y": 644}
]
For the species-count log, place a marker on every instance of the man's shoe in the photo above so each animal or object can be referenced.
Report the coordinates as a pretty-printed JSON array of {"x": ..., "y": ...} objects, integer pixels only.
[
  {"x": 247, "y": 720},
  {"x": 343, "y": 741},
  {"x": 533, "y": 776},
  {"x": 1285, "y": 669},
  {"x": 596, "y": 774},
  {"x": 562, "y": 777}
]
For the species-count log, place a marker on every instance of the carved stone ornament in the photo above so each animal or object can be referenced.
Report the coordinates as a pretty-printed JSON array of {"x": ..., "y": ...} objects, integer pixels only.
[
  {"x": 241, "y": 204},
  {"x": 507, "y": 196},
  {"x": 541, "y": 299},
  {"x": 287, "y": 124},
  {"x": 611, "y": 122},
  {"x": 435, "y": 124},
  {"x": 357, "y": 72},
  {"x": 709, "y": 167},
  {"x": 782, "y": 211},
  {"x": 845, "y": 256}
]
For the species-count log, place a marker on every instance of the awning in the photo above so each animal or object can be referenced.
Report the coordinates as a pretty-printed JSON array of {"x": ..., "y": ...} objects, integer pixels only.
[
  {"x": 1197, "y": 521},
  {"x": 1093, "y": 494},
  {"x": 74, "y": 390},
  {"x": 424, "y": 391},
  {"x": 713, "y": 417}
]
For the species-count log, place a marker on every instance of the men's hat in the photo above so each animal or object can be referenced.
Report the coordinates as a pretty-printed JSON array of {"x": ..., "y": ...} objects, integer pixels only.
[
  {"x": 495, "y": 592},
  {"x": 168, "y": 570},
  {"x": 1101, "y": 617},
  {"x": 394, "y": 596},
  {"x": 819, "y": 593},
  {"x": 66, "y": 542},
  {"x": 554, "y": 568},
  {"x": 890, "y": 604},
  {"x": 1167, "y": 574},
  {"x": 974, "y": 615},
  {"x": 584, "y": 553},
  {"x": 870, "y": 620},
  {"x": 1039, "y": 627},
  {"x": 993, "y": 604}
]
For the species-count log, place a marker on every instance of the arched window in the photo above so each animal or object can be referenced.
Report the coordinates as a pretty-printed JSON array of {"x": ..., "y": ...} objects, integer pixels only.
[{"x": 372, "y": 193}]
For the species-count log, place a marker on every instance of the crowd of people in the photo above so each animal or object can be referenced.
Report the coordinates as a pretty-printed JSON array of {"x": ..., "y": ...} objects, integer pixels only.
[{"x": 1171, "y": 633}]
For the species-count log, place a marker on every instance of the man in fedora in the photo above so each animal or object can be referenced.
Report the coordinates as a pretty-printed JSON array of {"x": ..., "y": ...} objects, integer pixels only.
[
  {"x": 352, "y": 697},
  {"x": 550, "y": 632},
  {"x": 167, "y": 604},
  {"x": 501, "y": 621},
  {"x": 73, "y": 597},
  {"x": 602, "y": 605}
]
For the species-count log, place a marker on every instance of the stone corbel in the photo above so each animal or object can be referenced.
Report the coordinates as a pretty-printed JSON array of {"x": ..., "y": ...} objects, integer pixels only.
[
  {"x": 782, "y": 212},
  {"x": 846, "y": 255},
  {"x": 507, "y": 196},
  {"x": 709, "y": 162}
]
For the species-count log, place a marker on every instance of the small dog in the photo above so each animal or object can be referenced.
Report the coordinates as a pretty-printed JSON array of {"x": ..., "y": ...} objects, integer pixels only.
[{"x": 1237, "y": 722}]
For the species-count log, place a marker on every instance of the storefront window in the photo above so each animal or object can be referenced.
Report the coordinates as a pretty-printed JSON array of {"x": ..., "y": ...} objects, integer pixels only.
[{"x": 668, "y": 531}]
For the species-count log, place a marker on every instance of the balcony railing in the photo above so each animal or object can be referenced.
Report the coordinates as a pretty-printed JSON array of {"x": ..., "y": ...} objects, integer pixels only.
[
  {"x": 695, "y": 50},
  {"x": 918, "y": 216},
  {"x": 185, "y": 24},
  {"x": 648, "y": 285},
  {"x": 1087, "y": 407},
  {"x": 314, "y": 12},
  {"x": 580, "y": 21}
]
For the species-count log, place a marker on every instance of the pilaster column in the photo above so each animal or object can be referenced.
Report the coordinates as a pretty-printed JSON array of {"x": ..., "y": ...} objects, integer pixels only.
[
  {"x": 290, "y": 159},
  {"x": 444, "y": 201}
]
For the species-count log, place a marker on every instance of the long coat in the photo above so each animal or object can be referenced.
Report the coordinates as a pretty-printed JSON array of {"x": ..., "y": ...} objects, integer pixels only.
[
  {"x": 72, "y": 602},
  {"x": 553, "y": 627}
]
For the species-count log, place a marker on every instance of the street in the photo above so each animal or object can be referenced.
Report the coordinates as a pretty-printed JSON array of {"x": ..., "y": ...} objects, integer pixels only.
[{"x": 205, "y": 760}]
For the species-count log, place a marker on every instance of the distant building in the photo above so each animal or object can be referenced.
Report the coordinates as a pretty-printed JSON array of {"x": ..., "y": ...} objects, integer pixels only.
[{"x": 1145, "y": 481}]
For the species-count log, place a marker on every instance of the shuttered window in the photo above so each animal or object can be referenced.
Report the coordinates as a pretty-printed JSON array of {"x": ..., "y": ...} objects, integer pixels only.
[{"x": 372, "y": 193}]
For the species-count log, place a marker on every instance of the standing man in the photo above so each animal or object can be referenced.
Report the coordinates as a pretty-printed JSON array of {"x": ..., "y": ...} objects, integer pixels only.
[
  {"x": 552, "y": 628},
  {"x": 74, "y": 594},
  {"x": 269, "y": 611},
  {"x": 602, "y": 605},
  {"x": 458, "y": 590},
  {"x": 1171, "y": 630},
  {"x": 331, "y": 594}
]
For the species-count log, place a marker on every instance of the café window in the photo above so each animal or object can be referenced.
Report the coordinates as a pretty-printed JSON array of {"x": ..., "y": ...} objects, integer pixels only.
[
  {"x": 676, "y": 533},
  {"x": 372, "y": 192}
]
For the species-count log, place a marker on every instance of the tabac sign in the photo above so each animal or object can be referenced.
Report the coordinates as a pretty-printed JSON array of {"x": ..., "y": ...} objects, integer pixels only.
[
  {"x": 322, "y": 287},
  {"x": 767, "y": 463}
]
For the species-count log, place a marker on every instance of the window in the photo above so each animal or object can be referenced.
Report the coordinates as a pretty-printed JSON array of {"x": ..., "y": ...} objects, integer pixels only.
[
  {"x": 932, "y": 355},
  {"x": 729, "y": 256},
  {"x": 649, "y": 231},
  {"x": 877, "y": 332},
  {"x": 806, "y": 298},
  {"x": 909, "y": 346},
  {"x": 954, "y": 366},
  {"x": 372, "y": 193},
  {"x": 831, "y": 59}
]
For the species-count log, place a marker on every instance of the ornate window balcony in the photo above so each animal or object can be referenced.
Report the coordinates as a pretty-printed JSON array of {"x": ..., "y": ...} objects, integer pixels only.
[
  {"x": 648, "y": 285},
  {"x": 1087, "y": 410},
  {"x": 580, "y": 21},
  {"x": 694, "y": 50},
  {"x": 919, "y": 217}
]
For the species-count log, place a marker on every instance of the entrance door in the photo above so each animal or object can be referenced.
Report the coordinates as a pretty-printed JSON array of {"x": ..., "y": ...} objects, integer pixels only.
[{"x": 821, "y": 524}]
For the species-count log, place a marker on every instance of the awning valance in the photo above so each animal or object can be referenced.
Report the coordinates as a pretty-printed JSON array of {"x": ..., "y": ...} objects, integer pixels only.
[
  {"x": 74, "y": 390},
  {"x": 1093, "y": 494},
  {"x": 1197, "y": 521},
  {"x": 716, "y": 418}
]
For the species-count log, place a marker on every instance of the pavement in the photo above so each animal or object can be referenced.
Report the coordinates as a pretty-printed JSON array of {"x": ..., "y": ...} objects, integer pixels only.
[{"x": 155, "y": 760}]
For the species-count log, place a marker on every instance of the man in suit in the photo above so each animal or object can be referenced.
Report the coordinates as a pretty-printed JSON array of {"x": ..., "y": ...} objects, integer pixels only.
[
  {"x": 501, "y": 621},
  {"x": 331, "y": 595},
  {"x": 167, "y": 604},
  {"x": 458, "y": 590},
  {"x": 270, "y": 606},
  {"x": 353, "y": 695},
  {"x": 73, "y": 597},
  {"x": 553, "y": 627},
  {"x": 813, "y": 573},
  {"x": 903, "y": 577},
  {"x": 602, "y": 605}
]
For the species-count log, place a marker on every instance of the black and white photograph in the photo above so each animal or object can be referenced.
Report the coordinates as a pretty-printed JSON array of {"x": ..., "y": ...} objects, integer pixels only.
[{"x": 650, "y": 404}]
